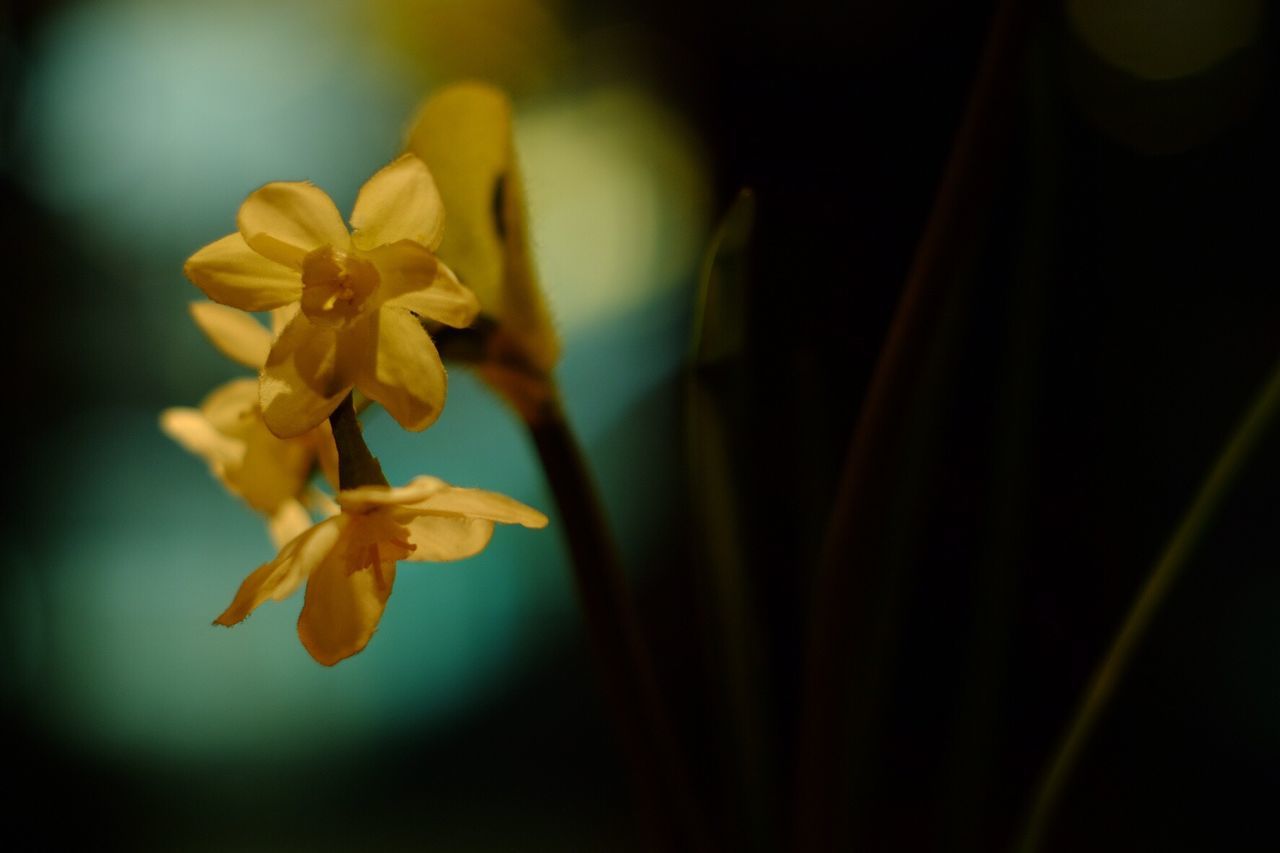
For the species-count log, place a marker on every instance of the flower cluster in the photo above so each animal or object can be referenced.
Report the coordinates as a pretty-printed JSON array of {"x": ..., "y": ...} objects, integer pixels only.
[
  {"x": 269, "y": 473},
  {"x": 349, "y": 311}
]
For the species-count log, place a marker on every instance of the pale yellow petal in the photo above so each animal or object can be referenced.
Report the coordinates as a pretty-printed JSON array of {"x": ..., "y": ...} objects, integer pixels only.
[
  {"x": 301, "y": 383},
  {"x": 440, "y": 538},
  {"x": 364, "y": 497},
  {"x": 281, "y": 316},
  {"x": 236, "y": 335},
  {"x": 478, "y": 503},
  {"x": 414, "y": 279},
  {"x": 274, "y": 470},
  {"x": 322, "y": 503},
  {"x": 289, "y": 521},
  {"x": 232, "y": 407},
  {"x": 230, "y": 272},
  {"x": 263, "y": 470},
  {"x": 400, "y": 368},
  {"x": 343, "y": 606},
  {"x": 400, "y": 202},
  {"x": 285, "y": 220},
  {"x": 191, "y": 429},
  {"x": 326, "y": 452},
  {"x": 280, "y": 577}
]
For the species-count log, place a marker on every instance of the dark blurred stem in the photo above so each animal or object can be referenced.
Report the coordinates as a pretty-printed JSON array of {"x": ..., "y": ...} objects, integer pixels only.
[
  {"x": 626, "y": 670},
  {"x": 847, "y": 587},
  {"x": 1177, "y": 552},
  {"x": 357, "y": 466}
]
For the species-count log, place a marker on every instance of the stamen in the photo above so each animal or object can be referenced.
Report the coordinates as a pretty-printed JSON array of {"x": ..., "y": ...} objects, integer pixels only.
[{"x": 336, "y": 285}]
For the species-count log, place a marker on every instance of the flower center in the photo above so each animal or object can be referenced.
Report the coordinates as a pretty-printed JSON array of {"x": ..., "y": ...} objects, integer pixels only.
[
  {"x": 376, "y": 538},
  {"x": 335, "y": 286}
]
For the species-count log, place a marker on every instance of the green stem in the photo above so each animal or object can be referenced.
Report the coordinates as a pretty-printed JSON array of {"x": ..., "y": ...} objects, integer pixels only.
[
  {"x": 622, "y": 658},
  {"x": 357, "y": 466},
  {"x": 1176, "y": 553}
]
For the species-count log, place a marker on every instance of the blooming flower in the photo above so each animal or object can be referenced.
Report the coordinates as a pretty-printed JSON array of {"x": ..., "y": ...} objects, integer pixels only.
[
  {"x": 349, "y": 561},
  {"x": 228, "y": 432},
  {"x": 361, "y": 295}
]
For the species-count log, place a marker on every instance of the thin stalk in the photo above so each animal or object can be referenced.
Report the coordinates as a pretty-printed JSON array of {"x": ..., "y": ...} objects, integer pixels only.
[
  {"x": 1177, "y": 552},
  {"x": 660, "y": 777},
  {"x": 626, "y": 670},
  {"x": 357, "y": 466}
]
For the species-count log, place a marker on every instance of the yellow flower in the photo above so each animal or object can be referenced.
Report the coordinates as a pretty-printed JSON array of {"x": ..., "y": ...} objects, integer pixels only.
[
  {"x": 361, "y": 295},
  {"x": 349, "y": 561},
  {"x": 270, "y": 474}
]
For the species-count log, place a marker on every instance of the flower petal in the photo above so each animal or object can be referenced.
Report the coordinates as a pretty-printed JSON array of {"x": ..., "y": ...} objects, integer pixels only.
[
  {"x": 415, "y": 279},
  {"x": 285, "y": 220},
  {"x": 343, "y": 606},
  {"x": 288, "y": 522},
  {"x": 191, "y": 429},
  {"x": 280, "y": 577},
  {"x": 236, "y": 334},
  {"x": 367, "y": 497},
  {"x": 281, "y": 316},
  {"x": 400, "y": 202},
  {"x": 398, "y": 366},
  {"x": 322, "y": 503},
  {"x": 274, "y": 470},
  {"x": 300, "y": 382},
  {"x": 477, "y": 503},
  {"x": 326, "y": 451},
  {"x": 231, "y": 407},
  {"x": 440, "y": 539},
  {"x": 230, "y": 272}
]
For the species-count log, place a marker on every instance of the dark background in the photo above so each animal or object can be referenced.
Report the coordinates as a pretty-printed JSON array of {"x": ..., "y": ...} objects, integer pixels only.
[{"x": 1107, "y": 324}]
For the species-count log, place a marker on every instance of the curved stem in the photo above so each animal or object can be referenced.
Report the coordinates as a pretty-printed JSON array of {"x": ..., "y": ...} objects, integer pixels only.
[
  {"x": 612, "y": 625},
  {"x": 1176, "y": 553},
  {"x": 659, "y": 773}
]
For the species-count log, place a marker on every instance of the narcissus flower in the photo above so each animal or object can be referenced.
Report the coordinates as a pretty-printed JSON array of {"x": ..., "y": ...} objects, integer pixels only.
[
  {"x": 360, "y": 294},
  {"x": 349, "y": 561},
  {"x": 270, "y": 474}
]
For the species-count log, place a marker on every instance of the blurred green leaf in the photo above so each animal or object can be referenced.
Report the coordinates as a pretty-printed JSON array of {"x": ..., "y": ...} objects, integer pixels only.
[
  {"x": 720, "y": 315},
  {"x": 712, "y": 407}
]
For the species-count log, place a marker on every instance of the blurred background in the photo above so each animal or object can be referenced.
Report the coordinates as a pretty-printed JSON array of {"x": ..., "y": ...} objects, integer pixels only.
[{"x": 1110, "y": 315}]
